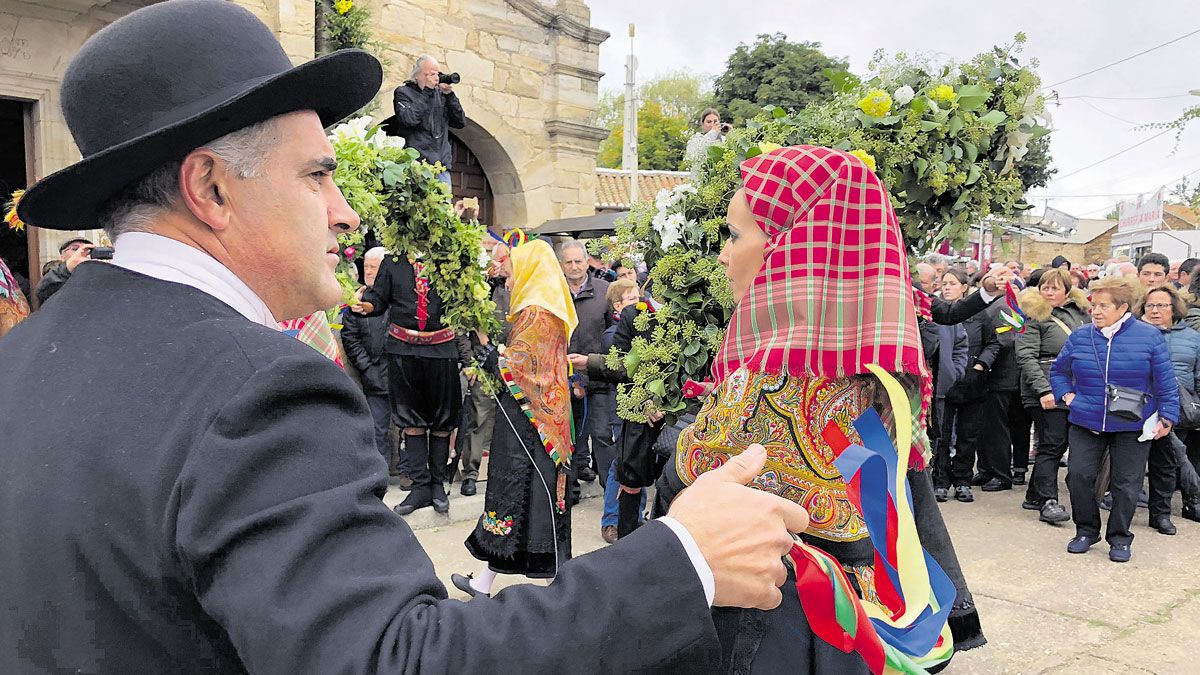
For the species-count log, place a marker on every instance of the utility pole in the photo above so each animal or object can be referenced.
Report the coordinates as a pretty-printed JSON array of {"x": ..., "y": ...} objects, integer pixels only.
[{"x": 629, "y": 154}]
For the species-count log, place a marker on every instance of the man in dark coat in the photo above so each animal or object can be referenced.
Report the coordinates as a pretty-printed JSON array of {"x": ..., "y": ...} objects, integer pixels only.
[
  {"x": 200, "y": 493},
  {"x": 365, "y": 340},
  {"x": 70, "y": 254},
  {"x": 592, "y": 404},
  {"x": 425, "y": 111}
]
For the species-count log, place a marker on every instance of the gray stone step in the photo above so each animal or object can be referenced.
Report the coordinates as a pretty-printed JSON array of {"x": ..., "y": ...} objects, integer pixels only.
[{"x": 462, "y": 508}]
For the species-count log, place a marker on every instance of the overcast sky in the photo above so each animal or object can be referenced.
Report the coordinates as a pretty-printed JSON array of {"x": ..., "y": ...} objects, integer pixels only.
[{"x": 1068, "y": 37}]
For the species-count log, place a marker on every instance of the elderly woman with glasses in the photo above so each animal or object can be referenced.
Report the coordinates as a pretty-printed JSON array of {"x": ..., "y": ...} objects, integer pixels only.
[
  {"x": 1115, "y": 376},
  {"x": 1165, "y": 308}
]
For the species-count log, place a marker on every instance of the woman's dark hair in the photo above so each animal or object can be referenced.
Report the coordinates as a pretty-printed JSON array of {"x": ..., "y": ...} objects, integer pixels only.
[
  {"x": 1035, "y": 277},
  {"x": 707, "y": 112},
  {"x": 1194, "y": 289},
  {"x": 1178, "y": 306},
  {"x": 962, "y": 277}
]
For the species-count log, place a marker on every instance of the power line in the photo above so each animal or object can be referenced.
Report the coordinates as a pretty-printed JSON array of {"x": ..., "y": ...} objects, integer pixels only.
[
  {"x": 1108, "y": 114},
  {"x": 1127, "y": 58},
  {"x": 1115, "y": 154},
  {"x": 1124, "y": 98}
]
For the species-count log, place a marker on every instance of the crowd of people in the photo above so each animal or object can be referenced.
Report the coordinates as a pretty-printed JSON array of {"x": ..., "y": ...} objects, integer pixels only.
[{"x": 1041, "y": 385}]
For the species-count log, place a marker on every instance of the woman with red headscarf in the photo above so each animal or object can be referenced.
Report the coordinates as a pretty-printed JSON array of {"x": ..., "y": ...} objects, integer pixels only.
[{"x": 821, "y": 358}]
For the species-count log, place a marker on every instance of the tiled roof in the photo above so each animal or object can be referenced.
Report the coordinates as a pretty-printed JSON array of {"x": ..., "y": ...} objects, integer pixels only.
[
  {"x": 1182, "y": 213},
  {"x": 612, "y": 186}
]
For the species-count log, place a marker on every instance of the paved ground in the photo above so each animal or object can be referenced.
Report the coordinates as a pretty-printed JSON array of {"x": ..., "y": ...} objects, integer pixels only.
[{"x": 1043, "y": 611}]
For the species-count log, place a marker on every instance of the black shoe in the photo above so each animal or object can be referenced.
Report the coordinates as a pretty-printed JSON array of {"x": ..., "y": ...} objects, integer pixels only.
[
  {"x": 979, "y": 479},
  {"x": 586, "y": 474},
  {"x": 417, "y": 499},
  {"x": 1030, "y": 505},
  {"x": 1054, "y": 513},
  {"x": 1143, "y": 500},
  {"x": 1119, "y": 553},
  {"x": 1191, "y": 512},
  {"x": 1081, "y": 544},
  {"x": 1163, "y": 525},
  {"x": 464, "y": 584},
  {"x": 404, "y": 481},
  {"x": 441, "y": 503},
  {"x": 468, "y": 487},
  {"x": 1106, "y": 501},
  {"x": 941, "y": 494},
  {"x": 996, "y": 485},
  {"x": 963, "y": 494},
  {"x": 1018, "y": 477}
]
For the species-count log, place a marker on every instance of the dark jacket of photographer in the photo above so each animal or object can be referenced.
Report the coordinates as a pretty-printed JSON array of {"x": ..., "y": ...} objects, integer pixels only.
[
  {"x": 423, "y": 117},
  {"x": 51, "y": 282}
]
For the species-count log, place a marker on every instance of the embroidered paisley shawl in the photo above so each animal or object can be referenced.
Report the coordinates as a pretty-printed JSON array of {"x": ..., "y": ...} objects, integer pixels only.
[{"x": 536, "y": 361}]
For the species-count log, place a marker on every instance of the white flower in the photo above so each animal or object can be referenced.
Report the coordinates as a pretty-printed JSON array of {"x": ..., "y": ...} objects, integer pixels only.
[
  {"x": 669, "y": 228},
  {"x": 384, "y": 141},
  {"x": 353, "y": 131},
  {"x": 903, "y": 95},
  {"x": 664, "y": 200},
  {"x": 683, "y": 189}
]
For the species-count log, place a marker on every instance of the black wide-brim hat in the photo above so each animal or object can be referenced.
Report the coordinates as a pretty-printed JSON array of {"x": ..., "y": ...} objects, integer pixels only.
[{"x": 168, "y": 78}]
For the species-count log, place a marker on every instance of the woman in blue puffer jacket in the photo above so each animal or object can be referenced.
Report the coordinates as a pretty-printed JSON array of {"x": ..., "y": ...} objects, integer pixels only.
[{"x": 1117, "y": 350}]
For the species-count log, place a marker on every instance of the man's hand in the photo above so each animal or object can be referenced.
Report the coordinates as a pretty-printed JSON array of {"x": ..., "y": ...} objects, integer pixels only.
[
  {"x": 1068, "y": 397},
  {"x": 361, "y": 307},
  {"x": 1162, "y": 429},
  {"x": 446, "y": 88},
  {"x": 77, "y": 256},
  {"x": 742, "y": 533},
  {"x": 1047, "y": 401},
  {"x": 989, "y": 284},
  {"x": 578, "y": 391},
  {"x": 578, "y": 360}
]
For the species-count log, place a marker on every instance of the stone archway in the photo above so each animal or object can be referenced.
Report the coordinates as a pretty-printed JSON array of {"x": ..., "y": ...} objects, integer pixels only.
[{"x": 508, "y": 195}]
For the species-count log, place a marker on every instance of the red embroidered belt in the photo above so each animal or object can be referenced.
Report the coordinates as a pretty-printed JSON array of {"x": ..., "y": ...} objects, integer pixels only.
[{"x": 419, "y": 337}]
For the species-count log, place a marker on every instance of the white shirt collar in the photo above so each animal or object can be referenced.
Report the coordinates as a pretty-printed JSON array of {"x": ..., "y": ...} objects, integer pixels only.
[
  {"x": 1110, "y": 331},
  {"x": 169, "y": 260}
]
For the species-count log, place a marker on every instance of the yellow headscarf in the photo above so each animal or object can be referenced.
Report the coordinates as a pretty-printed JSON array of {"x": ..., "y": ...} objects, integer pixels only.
[{"x": 538, "y": 280}]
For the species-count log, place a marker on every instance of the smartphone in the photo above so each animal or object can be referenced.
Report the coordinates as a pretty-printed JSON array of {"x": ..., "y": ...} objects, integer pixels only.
[{"x": 101, "y": 253}]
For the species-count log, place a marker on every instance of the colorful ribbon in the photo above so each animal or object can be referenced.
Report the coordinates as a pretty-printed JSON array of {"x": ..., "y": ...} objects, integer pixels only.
[
  {"x": 1016, "y": 320},
  {"x": 908, "y": 631}
]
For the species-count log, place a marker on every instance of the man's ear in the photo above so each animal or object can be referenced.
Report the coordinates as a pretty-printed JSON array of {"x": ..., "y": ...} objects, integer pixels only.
[{"x": 203, "y": 182}]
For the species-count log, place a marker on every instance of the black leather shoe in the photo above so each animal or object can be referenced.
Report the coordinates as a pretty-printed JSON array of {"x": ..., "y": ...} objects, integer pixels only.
[
  {"x": 1106, "y": 501},
  {"x": 996, "y": 485},
  {"x": 1163, "y": 525},
  {"x": 963, "y": 494},
  {"x": 941, "y": 494},
  {"x": 978, "y": 479},
  {"x": 1029, "y": 505},
  {"x": 1081, "y": 544},
  {"x": 1191, "y": 512},
  {"x": 586, "y": 474},
  {"x": 464, "y": 584},
  {"x": 468, "y": 487},
  {"x": 441, "y": 503},
  {"x": 417, "y": 499},
  {"x": 1018, "y": 477},
  {"x": 1119, "y": 553}
]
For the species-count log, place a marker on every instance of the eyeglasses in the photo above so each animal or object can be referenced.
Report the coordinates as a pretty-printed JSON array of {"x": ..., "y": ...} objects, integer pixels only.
[{"x": 1157, "y": 307}]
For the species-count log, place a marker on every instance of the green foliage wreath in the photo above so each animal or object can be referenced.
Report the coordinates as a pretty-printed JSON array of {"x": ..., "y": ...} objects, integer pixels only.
[{"x": 398, "y": 198}]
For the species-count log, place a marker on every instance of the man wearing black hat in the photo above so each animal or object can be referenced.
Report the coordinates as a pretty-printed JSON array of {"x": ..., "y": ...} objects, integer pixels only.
[
  {"x": 70, "y": 254},
  {"x": 201, "y": 493},
  {"x": 426, "y": 109}
]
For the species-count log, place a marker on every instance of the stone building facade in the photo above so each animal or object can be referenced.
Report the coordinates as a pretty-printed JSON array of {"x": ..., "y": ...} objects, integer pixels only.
[{"x": 529, "y": 88}]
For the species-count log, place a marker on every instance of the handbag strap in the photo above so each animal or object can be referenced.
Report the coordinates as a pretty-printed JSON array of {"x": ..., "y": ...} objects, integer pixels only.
[{"x": 1061, "y": 325}]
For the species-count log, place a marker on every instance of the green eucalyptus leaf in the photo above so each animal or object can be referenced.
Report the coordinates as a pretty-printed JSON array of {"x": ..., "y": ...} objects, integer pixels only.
[
  {"x": 972, "y": 152},
  {"x": 956, "y": 125},
  {"x": 929, "y": 125},
  {"x": 994, "y": 117},
  {"x": 657, "y": 387}
]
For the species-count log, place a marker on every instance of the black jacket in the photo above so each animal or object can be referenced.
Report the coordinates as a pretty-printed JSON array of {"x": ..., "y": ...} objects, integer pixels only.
[
  {"x": 201, "y": 494},
  {"x": 592, "y": 309},
  {"x": 982, "y": 349},
  {"x": 51, "y": 282},
  {"x": 395, "y": 292},
  {"x": 422, "y": 118},
  {"x": 365, "y": 339},
  {"x": 1004, "y": 374}
]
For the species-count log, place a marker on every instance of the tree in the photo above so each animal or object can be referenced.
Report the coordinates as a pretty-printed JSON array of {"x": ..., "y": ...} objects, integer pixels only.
[
  {"x": 1183, "y": 193},
  {"x": 774, "y": 71},
  {"x": 1034, "y": 168},
  {"x": 670, "y": 104}
]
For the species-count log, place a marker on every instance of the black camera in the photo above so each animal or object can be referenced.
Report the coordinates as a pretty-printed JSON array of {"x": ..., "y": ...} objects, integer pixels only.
[
  {"x": 101, "y": 253},
  {"x": 452, "y": 78},
  {"x": 726, "y": 127}
]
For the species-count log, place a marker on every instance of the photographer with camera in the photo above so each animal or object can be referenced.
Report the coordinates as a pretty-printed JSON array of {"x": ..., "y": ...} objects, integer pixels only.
[
  {"x": 712, "y": 131},
  {"x": 70, "y": 254},
  {"x": 426, "y": 108}
]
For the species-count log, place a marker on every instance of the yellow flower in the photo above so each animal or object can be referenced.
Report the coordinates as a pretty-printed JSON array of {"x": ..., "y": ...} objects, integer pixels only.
[
  {"x": 14, "y": 222},
  {"x": 343, "y": 6},
  {"x": 866, "y": 157},
  {"x": 943, "y": 93},
  {"x": 876, "y": 103},
  {"x": 768, "y": 147}
]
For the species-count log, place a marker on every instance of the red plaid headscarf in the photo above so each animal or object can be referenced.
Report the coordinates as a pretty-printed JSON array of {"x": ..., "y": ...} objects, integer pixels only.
[{"x": 834, "y": 292}]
